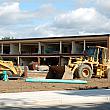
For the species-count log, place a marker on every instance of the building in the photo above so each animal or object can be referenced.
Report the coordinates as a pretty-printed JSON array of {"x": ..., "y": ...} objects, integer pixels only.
[{"x": 51, "y": 50}]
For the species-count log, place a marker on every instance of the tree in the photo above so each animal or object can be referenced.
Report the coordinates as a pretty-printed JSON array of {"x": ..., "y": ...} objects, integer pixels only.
[{"x": 7, "y": 38}]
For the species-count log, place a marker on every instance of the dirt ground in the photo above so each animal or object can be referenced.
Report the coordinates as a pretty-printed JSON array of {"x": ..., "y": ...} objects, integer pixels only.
[{"x": 21, "y": 86}]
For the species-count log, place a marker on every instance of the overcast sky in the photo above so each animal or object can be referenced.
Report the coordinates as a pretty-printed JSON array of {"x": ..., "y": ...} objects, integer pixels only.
[{"x": 53, "y": 18}]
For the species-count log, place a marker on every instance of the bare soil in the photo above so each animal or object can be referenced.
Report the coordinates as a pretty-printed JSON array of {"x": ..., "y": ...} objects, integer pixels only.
[{"x": 21, "y": 86}]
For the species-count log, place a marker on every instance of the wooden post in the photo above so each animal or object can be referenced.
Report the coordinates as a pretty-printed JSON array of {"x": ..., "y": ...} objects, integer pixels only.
[
  {"x": 25, "y": 71},
  {"x": 84, "y": 45},
  {"x": 2, "y": 48},
  {"x": 11, "y": 49},
  {"x": 60, "y": 47},
  {"x": 39, "y": 48},
  {"x": 59, "y": 61},
  {"x": 18, "y": 61},
  {"x": 73, "y": 47},
  {"x": 39, "y": 60},
  {"x": 19, "y": 48}
]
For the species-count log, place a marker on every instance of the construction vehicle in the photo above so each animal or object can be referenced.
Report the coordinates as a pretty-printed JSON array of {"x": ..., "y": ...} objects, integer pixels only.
[
  {"x": 93, "y": 64},
  {"x": 37, "y": 66},
  {"x": 12, "y": 71}
]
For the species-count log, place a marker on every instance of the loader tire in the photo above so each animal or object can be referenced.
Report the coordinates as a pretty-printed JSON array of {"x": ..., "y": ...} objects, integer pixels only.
[
  {"x": 9, "y": 73},
  {"x": 85, "y": 72}
]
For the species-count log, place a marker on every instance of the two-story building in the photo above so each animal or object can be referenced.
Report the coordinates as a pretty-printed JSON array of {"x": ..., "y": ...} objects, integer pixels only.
[{"x": 50, "y": 50}]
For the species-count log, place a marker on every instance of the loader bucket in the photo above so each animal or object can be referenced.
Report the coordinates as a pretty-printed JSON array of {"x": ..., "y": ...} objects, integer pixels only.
[
  {"x": 55, "y": 72},
  {"x": 68, "y": 73},
  {"x": 59, "y": 72}
]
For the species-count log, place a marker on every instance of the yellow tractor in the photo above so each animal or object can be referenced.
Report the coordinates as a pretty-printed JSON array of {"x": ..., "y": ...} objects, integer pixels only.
[
  {"x": 93, "y": 64},
  {"x": 12, "y": 71}
]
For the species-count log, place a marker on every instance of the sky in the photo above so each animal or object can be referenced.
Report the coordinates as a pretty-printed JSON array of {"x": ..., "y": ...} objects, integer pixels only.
[{"x": 53, "y": 18}]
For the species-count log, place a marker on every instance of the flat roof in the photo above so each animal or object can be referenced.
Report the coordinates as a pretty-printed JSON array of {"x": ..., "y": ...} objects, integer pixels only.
[{"x": 46, "y": 39}]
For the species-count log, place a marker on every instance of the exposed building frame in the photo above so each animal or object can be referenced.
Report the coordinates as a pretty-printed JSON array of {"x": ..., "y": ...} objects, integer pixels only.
[{"x": 75, "y": 44}]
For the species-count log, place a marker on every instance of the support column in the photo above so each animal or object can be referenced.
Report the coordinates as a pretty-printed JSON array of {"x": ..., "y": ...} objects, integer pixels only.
[
  {"x": 10, "y": 48},
  {"x": 2, "y": 48},
  {"x": 62, "y": 63},
  {"x": 39, "y": 60},
  {"x": 108, "y": 46},
  {"x": 19, "y": 48},
  {"x": 73, "y": 50},
  {"x": 84, "y": 46},
  {"x": 39, "y": 48},
  {"x": 18, "y": 63},
  {"x": 59, "y": 63},
  {"x": 60, "y": 47}
]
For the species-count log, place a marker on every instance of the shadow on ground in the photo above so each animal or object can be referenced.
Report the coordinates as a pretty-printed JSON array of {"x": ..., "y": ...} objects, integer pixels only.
[
  {"x": 20, "y": 104},
  {"x": 94, "y": 92},
  {"x": 103, "y": 106}
]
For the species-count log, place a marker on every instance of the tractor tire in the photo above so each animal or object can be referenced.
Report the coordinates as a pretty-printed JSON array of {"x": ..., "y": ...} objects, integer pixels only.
[{"x": 85, "y": 72}]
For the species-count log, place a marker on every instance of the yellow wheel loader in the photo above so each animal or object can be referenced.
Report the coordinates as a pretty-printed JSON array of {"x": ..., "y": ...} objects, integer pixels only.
[
  {"x": 12, "y": 71},
  {"x": 93, "y": 64}
]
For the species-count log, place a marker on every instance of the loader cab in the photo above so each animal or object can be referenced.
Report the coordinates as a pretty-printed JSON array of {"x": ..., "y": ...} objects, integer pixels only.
[
  {"x": 92, "y": 52},
  {"x": 102, "y": 55},
  {"x": 98, "y": 53}
]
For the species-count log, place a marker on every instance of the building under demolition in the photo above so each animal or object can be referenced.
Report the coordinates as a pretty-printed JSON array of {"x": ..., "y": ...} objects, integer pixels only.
[{"x": 51, "y": 50}]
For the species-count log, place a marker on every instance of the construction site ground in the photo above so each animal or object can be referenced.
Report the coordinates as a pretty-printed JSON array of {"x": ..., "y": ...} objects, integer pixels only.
[{"x": 21, "y": 86}]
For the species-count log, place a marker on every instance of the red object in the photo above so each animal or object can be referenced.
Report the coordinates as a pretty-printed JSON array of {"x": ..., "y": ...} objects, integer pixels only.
[{"x": 25, "y": 72}]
